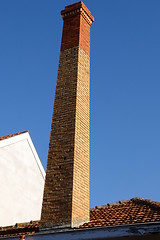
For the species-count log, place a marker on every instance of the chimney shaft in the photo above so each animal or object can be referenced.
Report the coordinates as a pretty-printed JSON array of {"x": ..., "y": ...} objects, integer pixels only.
[{"x": 66, "y": 192}]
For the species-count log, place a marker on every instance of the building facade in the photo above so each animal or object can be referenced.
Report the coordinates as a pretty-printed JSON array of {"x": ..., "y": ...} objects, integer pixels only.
[{"x": 22, "y": 180}]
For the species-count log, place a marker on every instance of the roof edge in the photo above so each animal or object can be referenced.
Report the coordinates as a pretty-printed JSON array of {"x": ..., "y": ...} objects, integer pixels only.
[
  {"x": 12, "y": 135},
  {"x": 134, "y": 230},
  {"x": 136, "y": 200},
  {"x": 14, "y": 138}
]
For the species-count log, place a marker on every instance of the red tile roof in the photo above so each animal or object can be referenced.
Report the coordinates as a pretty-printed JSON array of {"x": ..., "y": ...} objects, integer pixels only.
[
  {"x": 136, "y": 210},
  {"x": 20, "y": 229},
  {"x": 12, "y": 135}
]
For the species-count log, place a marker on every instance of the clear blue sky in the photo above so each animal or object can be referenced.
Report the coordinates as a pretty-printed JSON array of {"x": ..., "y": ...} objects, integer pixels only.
[{"x": 125, "y": 88}]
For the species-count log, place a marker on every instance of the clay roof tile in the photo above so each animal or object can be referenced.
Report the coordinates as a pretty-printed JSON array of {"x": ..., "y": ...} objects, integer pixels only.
[
  {"x": 12, "y": 135},
  {"x": 136, "y": 210}
]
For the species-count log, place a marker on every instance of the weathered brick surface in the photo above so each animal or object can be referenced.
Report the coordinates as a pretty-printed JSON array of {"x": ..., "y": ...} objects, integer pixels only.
[
  {"x": 66, "y": 193},
  {"x": 80, "y": 200},
  {"x": 76, "y": 28}
]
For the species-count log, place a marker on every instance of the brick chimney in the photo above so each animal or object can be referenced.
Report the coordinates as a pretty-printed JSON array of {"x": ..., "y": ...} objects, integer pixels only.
[{"x": 66, "y": 192}]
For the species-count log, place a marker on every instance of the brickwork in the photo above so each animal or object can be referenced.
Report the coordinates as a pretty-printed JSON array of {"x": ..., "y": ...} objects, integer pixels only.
[
  {"x": 76, "y": 29},
  {"x": 66, "y": 193},
  {"x": 80, "y": 201}
]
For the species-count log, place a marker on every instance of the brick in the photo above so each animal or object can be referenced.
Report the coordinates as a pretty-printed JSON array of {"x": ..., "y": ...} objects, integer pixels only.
[{"x": 66, "y": 192}]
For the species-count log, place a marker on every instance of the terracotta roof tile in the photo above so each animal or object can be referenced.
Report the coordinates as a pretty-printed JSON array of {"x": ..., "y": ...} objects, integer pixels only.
[
  {"x": 12, "y": 135},
  {"x": 20, "y": 229},
  {"x": 136, "y": 210}
]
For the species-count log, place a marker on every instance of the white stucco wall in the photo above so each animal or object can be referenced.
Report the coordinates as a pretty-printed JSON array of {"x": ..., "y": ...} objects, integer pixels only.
[{"x": 21, "y": 181}]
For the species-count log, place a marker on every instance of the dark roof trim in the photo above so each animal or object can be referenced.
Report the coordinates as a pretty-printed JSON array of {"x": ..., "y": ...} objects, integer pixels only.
[{"x": 97, "y": 233}]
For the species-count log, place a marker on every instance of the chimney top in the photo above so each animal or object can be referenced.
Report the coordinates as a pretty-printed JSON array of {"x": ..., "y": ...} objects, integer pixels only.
[{"x": 75, "y": 9}]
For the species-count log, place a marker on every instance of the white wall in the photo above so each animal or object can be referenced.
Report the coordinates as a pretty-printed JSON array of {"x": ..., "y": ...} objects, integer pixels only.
[{"x": 21, "y": 181}]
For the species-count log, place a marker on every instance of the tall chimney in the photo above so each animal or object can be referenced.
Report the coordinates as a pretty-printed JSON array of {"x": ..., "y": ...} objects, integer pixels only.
[{"x": 66, "y": 192}]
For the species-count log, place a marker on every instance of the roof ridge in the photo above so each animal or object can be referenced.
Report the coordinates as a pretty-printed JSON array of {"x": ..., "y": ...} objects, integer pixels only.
[
  {"x": 12, "y": 135},
  {"x": 147, "y": 202},
  {"x": 137, "y": 200},
  {"x": 110, "y": 204}
]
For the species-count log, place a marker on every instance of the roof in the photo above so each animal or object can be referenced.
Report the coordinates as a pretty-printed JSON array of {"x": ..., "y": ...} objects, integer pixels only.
[
  {"x": 136, "y": 210},
  {"x": 19, "y": 229},
  {"x": 12, "y": 135},
  {"x": 133, "y": 211}
]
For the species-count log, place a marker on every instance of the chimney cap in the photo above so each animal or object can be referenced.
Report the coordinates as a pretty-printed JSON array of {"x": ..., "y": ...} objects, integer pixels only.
[{"x": 75, "y": 9}]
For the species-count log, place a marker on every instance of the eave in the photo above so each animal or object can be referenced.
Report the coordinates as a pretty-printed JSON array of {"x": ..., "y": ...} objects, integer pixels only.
[{"x": 140, "y": 231}]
